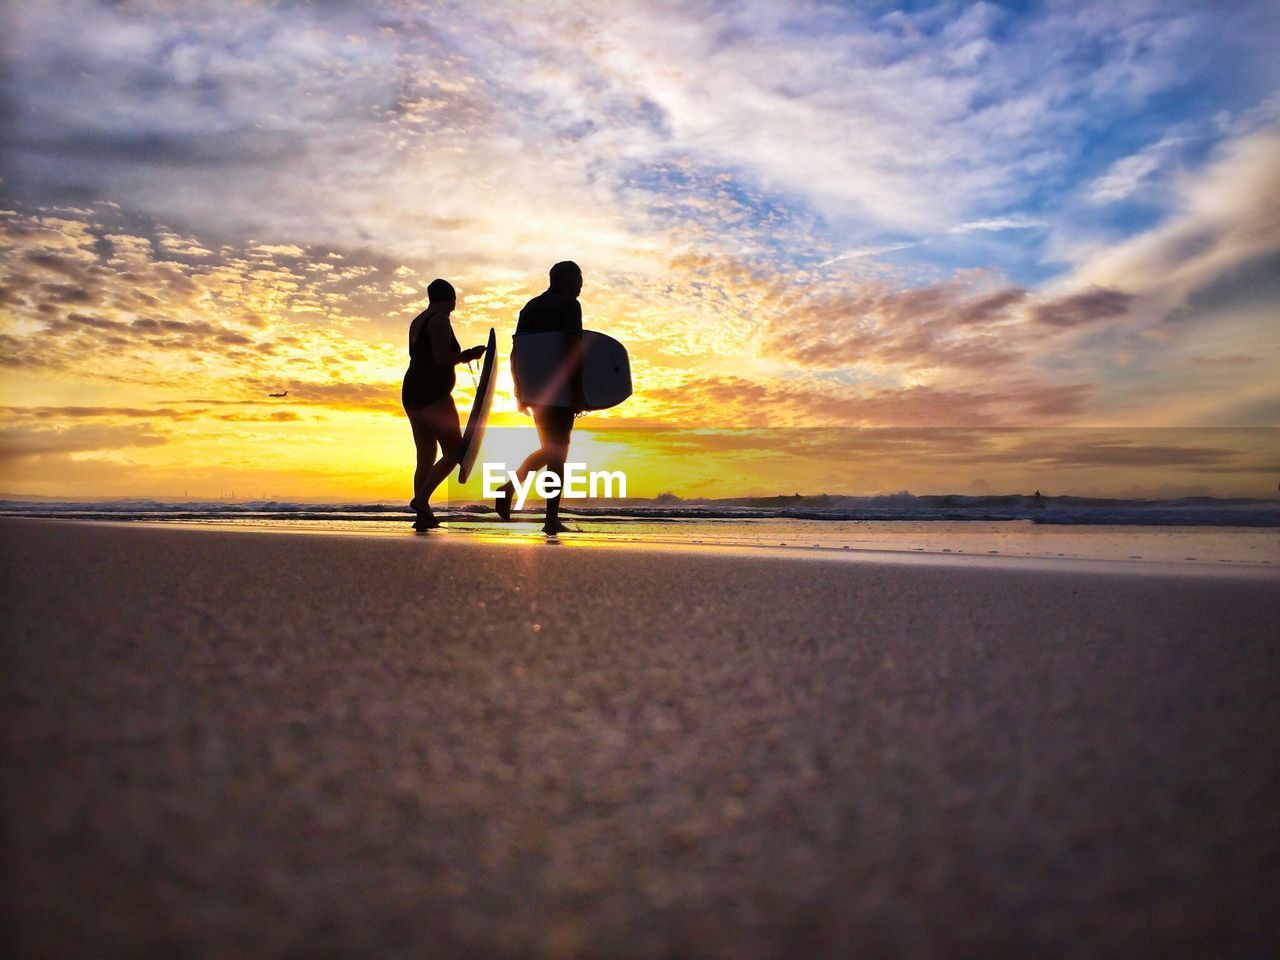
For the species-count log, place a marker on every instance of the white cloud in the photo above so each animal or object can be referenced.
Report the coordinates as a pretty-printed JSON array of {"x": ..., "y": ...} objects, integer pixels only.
[
  {"x": 999, "y": 223},
  {"x": 1225, "y": 215},
  {"x": 1130, "y": 174},
  {"x": 1204, "y": 283},
  {"x": 480, "y": 139},
  {"x": 860, "y": 253}
]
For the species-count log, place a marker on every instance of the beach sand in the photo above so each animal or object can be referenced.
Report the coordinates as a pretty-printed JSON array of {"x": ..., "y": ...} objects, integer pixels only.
[{"x": 241, "y": 744}]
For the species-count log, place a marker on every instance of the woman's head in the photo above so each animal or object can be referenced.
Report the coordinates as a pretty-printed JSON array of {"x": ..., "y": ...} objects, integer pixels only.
[{"x": 441, "y": 292}]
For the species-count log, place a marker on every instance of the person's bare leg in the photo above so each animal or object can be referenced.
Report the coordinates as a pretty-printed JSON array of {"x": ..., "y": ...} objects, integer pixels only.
[
  {"x": 556, "y": 431},
  {"x": 444, "y": 466},
  {"x": 555, "y": 467},
  {"x": 532, "y": 464},
  {"x": 446, "y": 431},
  {"x": 550, "y": 454},
  {"x": 424, "y": 442}
]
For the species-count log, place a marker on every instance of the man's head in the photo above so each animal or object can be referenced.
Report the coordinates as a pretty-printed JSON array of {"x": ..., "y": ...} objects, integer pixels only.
[
  {"x": 566, "y": 278},
  {"x": 441, "y": 292}
]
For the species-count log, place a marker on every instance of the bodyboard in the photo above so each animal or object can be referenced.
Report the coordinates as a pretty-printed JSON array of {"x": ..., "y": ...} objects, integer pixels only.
[
  {"x": 469, "y": 449},
  {"x": 540, "y": 366},
  {"x": 606, "y": 371}
]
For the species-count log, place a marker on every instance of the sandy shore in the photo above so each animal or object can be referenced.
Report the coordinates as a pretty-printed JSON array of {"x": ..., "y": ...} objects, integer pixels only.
[{"x": 231, "y": 744}]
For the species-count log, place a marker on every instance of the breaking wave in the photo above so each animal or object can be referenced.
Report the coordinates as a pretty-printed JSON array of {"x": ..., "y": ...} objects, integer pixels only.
[{"x": 1188, "y": 511}]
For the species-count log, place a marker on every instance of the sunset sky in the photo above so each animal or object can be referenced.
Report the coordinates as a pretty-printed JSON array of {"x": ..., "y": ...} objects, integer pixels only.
[{"x": 850, "y": 246}]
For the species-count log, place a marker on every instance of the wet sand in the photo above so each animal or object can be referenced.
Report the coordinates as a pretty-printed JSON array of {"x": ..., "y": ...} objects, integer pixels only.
[{"x": 239, "y": 744}]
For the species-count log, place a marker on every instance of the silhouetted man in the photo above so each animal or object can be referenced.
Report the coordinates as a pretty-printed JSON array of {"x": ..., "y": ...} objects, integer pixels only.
[{"x": 555, "y": 311}]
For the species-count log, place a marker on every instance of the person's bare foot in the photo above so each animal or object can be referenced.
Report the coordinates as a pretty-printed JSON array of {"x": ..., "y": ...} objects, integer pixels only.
[
  {"x": 425, "y": 519},
  {"x": 503, "y": 502}
]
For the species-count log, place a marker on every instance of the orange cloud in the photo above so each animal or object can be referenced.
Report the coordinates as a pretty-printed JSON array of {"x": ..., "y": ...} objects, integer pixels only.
[{"x": 734, "y": 401}]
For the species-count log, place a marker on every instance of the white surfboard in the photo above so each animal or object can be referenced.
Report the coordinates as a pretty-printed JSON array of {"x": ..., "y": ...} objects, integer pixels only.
[
  {"x": 474, "y": 433},
  {"x": 540, "y": 365}
]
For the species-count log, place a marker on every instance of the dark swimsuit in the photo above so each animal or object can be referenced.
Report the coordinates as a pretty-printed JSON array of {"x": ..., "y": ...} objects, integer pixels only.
[{"x": 424, "y": 381}]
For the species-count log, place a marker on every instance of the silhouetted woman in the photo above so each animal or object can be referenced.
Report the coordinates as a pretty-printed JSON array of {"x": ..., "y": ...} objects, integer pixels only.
[{"x": 427, "y": 396}]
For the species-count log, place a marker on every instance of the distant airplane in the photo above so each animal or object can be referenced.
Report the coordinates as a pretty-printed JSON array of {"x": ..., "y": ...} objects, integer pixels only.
[{"x": 285, "y": 394}]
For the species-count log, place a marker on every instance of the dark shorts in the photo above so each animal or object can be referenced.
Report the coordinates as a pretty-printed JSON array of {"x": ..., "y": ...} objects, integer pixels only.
[{"x": 555, "y": 424}]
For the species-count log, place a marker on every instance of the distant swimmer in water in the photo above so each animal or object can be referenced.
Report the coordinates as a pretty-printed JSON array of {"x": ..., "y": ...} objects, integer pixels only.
[
  {"x": 427, "y": 395},
  {"x": 1038, "y": 500}
]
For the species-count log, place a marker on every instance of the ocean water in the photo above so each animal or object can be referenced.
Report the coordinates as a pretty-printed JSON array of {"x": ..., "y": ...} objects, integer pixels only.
[{"x": 1199, "y": 531}]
